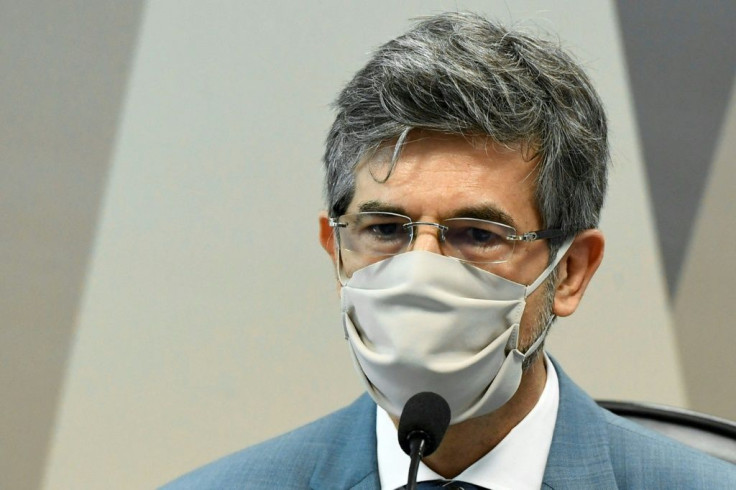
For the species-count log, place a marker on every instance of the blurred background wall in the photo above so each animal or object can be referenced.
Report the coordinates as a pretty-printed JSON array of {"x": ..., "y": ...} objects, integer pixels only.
[{"x": 163, "y": 297}]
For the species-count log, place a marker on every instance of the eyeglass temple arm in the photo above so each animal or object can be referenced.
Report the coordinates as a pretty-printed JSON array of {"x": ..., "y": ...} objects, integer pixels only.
[
  {"x": 336, "y": 224},
  {"x": 537, "y": 235}
]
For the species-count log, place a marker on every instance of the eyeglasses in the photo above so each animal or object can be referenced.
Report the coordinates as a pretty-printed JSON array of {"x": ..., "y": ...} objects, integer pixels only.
[{"x": 375, "y": 235}]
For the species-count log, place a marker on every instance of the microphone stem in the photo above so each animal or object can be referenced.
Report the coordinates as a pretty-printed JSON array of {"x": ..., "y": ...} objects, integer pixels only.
[{"x": 417, "y": 451}]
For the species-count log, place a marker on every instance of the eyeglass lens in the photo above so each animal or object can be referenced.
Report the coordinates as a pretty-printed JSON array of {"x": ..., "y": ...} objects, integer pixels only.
[{"x": 375, "y": 234}]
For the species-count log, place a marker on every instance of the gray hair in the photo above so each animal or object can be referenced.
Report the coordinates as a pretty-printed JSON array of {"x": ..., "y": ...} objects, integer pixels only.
[{"x": 459, "y": 73}]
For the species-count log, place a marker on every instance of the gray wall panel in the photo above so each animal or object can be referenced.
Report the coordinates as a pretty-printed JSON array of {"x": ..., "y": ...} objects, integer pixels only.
[
  {"x": 681, "y": 58},
  {"x": 63, "y": 73}
]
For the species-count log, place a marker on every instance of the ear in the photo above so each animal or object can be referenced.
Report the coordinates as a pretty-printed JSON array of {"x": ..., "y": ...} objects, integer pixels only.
[
  {"x": 327, "y": 236},
  {"x": 576, "y": 270}
]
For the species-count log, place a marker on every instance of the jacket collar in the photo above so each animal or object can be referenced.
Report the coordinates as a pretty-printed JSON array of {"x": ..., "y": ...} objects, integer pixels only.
[
  {"x": 579, "y": 456},
  {"x": 350, "y": 462}
]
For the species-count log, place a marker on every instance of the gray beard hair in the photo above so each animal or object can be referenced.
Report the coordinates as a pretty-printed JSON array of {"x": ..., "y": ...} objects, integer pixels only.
[{"x": 543, "y": 317}]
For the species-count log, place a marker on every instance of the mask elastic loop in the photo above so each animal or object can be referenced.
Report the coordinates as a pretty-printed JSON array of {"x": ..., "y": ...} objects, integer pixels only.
[
  {"x": 546, "y": 272},
  {"x": 540, "y": 339}
]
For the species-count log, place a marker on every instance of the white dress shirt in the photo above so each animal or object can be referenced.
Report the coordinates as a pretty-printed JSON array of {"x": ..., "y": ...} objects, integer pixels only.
[{"x": 516, "y": 463}]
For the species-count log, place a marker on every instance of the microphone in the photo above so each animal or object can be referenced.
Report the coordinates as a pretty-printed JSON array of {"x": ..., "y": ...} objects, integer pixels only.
[{"x": 422, "y": 426}]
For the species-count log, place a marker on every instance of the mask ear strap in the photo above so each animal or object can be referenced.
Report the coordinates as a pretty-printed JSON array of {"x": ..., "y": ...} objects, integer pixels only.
[
  {"x": 546, "y": 272},
  {"x": 540, "y": 339},
  {"x": 340, "y": 273}
]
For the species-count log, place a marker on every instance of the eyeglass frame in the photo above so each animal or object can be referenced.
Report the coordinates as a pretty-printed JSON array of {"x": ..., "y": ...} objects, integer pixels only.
[{"x": 529, "y": 236}]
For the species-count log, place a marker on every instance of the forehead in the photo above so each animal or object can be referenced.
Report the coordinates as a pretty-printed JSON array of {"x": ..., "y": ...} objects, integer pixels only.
[{"x": 437, "y": 175}]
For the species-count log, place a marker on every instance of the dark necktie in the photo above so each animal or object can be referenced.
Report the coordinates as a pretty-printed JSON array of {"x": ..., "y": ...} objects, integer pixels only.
[{"x": 447, "y": 485}]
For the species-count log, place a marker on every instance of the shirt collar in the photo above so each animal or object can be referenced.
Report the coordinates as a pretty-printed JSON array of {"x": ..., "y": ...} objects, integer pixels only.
[{"x": 517, "y": 462}]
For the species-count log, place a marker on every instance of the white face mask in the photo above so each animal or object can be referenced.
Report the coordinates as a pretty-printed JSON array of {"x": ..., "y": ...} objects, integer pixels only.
[{"x": 420, "y": 321}]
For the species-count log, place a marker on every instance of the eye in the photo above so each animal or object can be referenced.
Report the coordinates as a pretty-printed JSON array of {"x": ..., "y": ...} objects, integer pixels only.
[
  {"x": 380, "y": 228},
  {"x": 385, "y": 230},
  {"x": 475, "y": 236},
  {"x": 478, "y": 240},
  {"x": 480, "y": 236}
]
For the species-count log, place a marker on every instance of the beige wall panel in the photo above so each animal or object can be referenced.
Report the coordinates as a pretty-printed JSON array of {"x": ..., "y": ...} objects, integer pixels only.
[
  {"x": 210, "y": 318},
  {"x": 705, "y": 308}
]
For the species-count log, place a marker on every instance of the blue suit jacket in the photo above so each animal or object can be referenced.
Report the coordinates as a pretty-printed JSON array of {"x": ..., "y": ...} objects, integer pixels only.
[{"x": 591, "y": 449}]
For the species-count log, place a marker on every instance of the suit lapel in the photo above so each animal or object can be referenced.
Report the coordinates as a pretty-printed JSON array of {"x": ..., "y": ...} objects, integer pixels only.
[
  {"x": 579, "y": 456},
  {"x": 350, "y": 461}
]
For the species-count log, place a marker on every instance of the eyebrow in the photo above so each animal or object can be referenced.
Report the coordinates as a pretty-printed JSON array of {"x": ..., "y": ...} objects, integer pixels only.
[
  {"x": 374, "y": 205},
  {"x": 487, "y": 211}
]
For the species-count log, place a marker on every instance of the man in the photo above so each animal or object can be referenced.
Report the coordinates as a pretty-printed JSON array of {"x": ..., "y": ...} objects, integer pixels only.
[{"x": 465, "y": 173}]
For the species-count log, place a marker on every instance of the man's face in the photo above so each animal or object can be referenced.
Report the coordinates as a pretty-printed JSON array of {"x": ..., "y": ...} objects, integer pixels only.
[{"x": 441, "y": 176}]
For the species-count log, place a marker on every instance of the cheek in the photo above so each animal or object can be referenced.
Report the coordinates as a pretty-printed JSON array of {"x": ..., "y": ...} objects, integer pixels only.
[
  {"x": 352, "y": 262},
  {"x": 528, "y": 262}
]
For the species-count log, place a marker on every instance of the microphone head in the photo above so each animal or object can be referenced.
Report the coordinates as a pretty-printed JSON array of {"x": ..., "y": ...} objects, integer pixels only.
[{"x": 425, "y": 415}]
